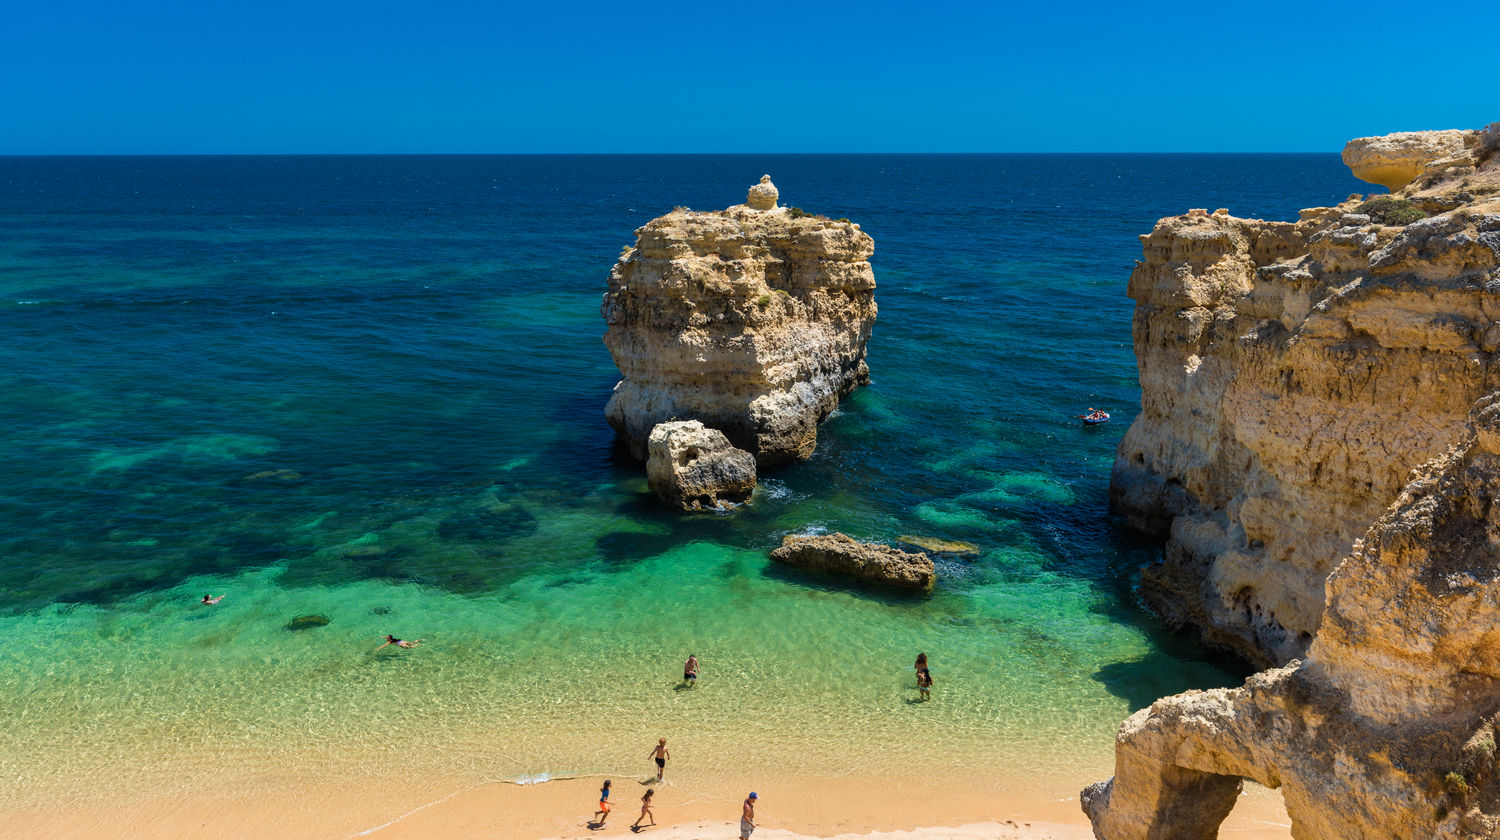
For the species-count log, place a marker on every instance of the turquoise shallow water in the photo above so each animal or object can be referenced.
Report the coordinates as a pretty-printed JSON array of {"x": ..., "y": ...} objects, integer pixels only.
[{"x": 372, "y": 389}]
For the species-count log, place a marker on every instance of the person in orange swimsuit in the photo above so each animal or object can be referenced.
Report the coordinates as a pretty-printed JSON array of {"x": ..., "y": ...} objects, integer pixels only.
[{"x": 603, "y": 813}]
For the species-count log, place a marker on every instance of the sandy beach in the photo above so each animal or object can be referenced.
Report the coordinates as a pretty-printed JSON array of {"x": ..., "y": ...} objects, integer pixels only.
[{"x": 408, "y": 810}]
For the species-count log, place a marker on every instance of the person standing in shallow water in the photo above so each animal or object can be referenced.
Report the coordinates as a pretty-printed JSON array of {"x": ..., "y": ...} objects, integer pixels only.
[
  {"x": 924, "y": 684},
  {"x": 690, "y": 670},
  {"x": 920, "y": 667},
  {"x": 603, "y": 813},
  {"x": 661, "y": 753}
]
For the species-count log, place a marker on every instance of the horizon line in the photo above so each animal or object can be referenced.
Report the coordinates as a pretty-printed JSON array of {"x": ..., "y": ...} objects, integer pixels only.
[{"x": 4, "y": 155}]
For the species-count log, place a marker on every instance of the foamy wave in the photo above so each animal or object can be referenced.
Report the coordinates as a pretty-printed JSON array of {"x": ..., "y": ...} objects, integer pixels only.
[{"x": 776, "y": 490}]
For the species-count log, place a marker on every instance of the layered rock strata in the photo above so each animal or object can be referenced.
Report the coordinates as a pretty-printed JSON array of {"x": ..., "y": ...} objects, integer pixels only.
[
  {"x": 868, "y": 562},
  {"x": 752, "y": 320},
  {"x": 1387, "y": 730},
  {"x": 695, "y": 467},
  {"x": 1292, "y": 374}
]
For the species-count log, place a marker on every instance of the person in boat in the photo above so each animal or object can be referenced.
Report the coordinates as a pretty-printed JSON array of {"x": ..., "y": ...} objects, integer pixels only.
[{"x": 1095, "y": 415}]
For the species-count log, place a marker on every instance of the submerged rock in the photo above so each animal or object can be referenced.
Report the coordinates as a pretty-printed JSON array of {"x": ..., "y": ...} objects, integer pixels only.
[
  {"x": 307, "y": 622},
  {"x": 868, "y": 562},
  {"x": 693, "y": 466},
  {"x": 939, "y": 546},
  {"x": 1387, "y": 729},
  {"x": 276, "y": 476},
  {"x": 752, "y": 320}
]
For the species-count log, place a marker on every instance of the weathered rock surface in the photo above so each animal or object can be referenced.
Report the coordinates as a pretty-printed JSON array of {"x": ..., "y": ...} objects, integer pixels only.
[
  {"x": 1395, "y": 160},
  {"x": 869, "y": 562},
  {"x": 695, "y": 467},
  {"x": 753, "y": 321},
  {"x": 1387, "y": 730},
  {"x": 1292, "y": 374}
]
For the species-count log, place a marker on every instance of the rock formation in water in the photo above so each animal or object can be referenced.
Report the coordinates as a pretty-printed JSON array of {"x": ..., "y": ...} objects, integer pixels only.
[
  {"x": 1292, "y": 375},
  {"x": 752, "y": 320},
  {"x": 868, "y": 562},
  {"x": 1387, "y": 730},
  {"x": 695, "y": 467}
]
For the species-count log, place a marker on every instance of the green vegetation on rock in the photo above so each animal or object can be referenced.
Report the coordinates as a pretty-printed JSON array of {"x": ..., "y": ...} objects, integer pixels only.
[{"x": 1391, "y": 211}]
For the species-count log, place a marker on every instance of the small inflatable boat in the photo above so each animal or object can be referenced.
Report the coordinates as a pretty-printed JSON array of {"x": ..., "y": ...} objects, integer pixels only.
[{"x": 1094, "y": 418}]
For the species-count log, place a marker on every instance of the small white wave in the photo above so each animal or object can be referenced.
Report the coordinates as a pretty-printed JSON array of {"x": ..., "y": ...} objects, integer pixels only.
[{"x": 775, "y": 490}]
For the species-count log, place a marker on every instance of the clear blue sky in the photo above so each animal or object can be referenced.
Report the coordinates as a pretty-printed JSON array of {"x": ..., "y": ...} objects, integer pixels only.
[{"x": 166, "y": 76}]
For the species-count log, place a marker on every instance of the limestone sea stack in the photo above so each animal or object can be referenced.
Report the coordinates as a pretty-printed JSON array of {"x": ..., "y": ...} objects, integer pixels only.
[
  {"x": 1294, "y": 373},
  {"x": 867, "y": 562},
  {"x": 695, "y": 467},
  {"x": 1388, "y": 729},
  {"x": 752, "y": 320}
]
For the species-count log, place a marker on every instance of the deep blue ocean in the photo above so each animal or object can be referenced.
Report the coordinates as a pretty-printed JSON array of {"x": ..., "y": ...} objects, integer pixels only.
[{"x": 372, "y": 388}]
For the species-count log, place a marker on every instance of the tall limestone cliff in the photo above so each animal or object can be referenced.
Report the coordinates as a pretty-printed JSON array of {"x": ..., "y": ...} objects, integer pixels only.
[
  {"x": 1294, "y": 373},
  {"x": 1388, "y": 729},
  {"x": 752, "y": 320}
]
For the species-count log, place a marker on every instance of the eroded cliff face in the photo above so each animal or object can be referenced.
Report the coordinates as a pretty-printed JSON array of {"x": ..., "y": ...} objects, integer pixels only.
[
  {"x": 752, "y": 320},
  {"x": 1293, "y": 374},
  {"x": 1387, "y": 730}
]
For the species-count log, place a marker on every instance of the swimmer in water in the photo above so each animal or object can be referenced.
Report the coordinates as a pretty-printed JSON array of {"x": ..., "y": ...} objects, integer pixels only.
[
  {"x": 401, "y": 643},
  {"x": 211, "y": 601}
]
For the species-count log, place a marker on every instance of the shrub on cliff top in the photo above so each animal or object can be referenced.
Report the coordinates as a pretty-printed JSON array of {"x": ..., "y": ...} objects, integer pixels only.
[{"x": 1390, "y": 211}]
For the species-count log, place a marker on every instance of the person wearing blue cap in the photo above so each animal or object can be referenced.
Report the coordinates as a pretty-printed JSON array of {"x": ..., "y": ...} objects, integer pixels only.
[{"x": 747, "y": 819}]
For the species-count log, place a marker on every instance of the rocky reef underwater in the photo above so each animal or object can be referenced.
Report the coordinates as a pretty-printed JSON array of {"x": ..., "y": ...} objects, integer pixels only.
[{"x": 1319, "y": 450}]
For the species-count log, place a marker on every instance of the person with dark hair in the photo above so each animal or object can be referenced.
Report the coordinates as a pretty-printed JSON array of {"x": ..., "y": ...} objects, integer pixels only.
[
  {"x": 924, "y": 684},
  {"x": 400, "y": 643},
  {"x": 690, "y": 670},
  {"x": 920, "y": 666},
  {"x": 210, "y": 601},
  {"x": 646, "y": 808},
  {"x": 603, "y": 813}
]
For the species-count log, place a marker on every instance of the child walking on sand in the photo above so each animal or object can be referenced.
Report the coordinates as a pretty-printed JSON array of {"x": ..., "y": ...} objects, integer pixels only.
[
  {"x": 646, "y": 809},
  {"x": 603, "y": 813}
]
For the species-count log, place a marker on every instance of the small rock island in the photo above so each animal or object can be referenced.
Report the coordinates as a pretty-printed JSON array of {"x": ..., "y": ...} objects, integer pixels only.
[
  {"x": 751, "y": 320},
  {"x": 868, "y": 562}
]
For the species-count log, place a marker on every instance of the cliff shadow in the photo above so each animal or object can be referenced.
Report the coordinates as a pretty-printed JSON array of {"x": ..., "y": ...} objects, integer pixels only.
[{"x": 1162, "y": 673}]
